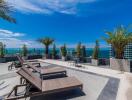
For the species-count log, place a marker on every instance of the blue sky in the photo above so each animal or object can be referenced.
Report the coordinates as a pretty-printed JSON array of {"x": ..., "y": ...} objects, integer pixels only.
[{"x": 67, "y": 21}]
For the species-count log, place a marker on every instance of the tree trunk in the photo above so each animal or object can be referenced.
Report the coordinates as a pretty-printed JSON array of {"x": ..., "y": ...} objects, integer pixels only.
[
  {"x": 119, "y": 54},
  {"x": 47, "y": 52}
]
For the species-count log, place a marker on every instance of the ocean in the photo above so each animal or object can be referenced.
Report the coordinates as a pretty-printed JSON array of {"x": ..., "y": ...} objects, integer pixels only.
[{"x": 104, "y": 52}]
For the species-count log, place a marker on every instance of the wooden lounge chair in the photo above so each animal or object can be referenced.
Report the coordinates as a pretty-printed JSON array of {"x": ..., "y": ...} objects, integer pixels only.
[
  {"x": 21, "y": 62},
  {"x": 14, "y": 64},
  {"x": 47, "y": 71},
  {"x": 43, "y": 86}
]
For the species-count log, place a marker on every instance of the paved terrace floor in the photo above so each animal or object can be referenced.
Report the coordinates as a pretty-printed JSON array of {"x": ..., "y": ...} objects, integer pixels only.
[{"x": 99, "y": 83}]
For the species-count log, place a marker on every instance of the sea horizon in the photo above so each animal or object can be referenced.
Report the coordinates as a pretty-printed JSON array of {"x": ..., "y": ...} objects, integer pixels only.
[{"x": 104, "y": 52}]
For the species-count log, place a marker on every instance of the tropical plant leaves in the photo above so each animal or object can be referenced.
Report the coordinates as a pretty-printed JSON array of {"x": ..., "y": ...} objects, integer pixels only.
[
  {"x": 119, "y": 39},
  {"x": 5, "y": 10}
]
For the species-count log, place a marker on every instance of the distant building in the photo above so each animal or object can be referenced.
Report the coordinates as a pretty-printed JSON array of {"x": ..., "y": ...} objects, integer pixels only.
[
  {"x": 128, "y": 51},
  {"x": 112, "y": 52}
]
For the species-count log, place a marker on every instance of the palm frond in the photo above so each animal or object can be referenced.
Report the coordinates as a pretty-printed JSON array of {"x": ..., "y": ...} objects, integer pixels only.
[
  {"x": 5, "y": 10},
  {"x": 46, "y": 41},
  {"x": 110, "y": 34}
]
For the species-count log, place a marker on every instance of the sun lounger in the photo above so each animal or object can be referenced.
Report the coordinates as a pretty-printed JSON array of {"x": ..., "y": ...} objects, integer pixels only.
[
  {"x": 21, "y": 62},
  {"x": 43, "y": 86},
  {"x": 47, "y": 71}
]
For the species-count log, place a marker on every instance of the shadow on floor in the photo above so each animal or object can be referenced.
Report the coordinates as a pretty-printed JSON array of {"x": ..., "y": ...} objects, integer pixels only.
[
  {"x": 61, "y": 96},
  {"x": 110, "y": 90},
  {"x": 54, "y": 76},
  {"x": 3, "y": 87}
]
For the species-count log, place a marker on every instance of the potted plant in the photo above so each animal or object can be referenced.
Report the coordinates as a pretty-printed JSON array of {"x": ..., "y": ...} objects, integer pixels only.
[
  {"x": 63, "y": 52},
  {"x": 54, "y": 52},
  {"x": 79, "y": 51},
  {"x": 119, "y": 39},
  {"x": 24, "y": 51},
  {"x": 95, "y": 54},
  {"x": 46, "y": 42},
  {"x": 83, "y": 53},
  {"x": 2, "y": 53}
]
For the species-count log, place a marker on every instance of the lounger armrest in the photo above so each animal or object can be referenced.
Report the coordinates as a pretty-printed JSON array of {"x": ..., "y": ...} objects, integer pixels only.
[
  {"x": 36, "y": 63},
  {"x": 15, "y": 88},
  {"x": 32, "y": 60}
]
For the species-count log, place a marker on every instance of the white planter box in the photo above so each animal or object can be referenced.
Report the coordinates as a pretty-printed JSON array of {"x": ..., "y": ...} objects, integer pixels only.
[
  {"x": 120, "y": 64},
  {"x": 95, "y": 62},
  {"x": 63, "y": 58}
]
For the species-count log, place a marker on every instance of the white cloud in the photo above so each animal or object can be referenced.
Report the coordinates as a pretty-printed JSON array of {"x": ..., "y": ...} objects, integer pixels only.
[
  {"x": 7, "y": 33},
  {"x": 48, "y": 6},
  {"x": 26, "y": 6},
  {"x": 17, "y": 43},
  {"x": 12, "y": 39}
]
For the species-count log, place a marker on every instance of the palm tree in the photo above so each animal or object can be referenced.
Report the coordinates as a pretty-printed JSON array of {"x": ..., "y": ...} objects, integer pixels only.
[
  {"x": 118, "y": 40},
  {"x": 46, "y": 41},
  {"x": 5, "y": 9}
]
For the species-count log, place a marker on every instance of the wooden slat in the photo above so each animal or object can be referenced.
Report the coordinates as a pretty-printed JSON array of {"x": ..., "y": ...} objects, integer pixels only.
[
  {"x": 45, "y": 71},
  {"x": 34, "y": 67},
  {"x": 20, "y": 59},
  {"x": 60, "y": 84},
  {"x": 30, "y": 77},
  {"x": 52, "y": 70}
]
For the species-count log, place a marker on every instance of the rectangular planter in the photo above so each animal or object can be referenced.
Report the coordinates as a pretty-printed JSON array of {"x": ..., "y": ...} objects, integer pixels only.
[
  {"x": 2, "y": 60},
  {"x": 95, "y": 62},
  {"x": 10, "y": 58},
  {"x": 88, "y": 60},
  {"x": 120, "y": 64},
  {"x": 104, "y": 61},
  {"x": 34, "y": 57}
]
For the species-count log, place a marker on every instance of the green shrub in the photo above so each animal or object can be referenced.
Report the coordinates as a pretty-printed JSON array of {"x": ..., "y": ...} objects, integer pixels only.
[
  {"x": 2, "y": 50},
  {"x": 96, "y": 51},
  {"x": 64, "y": 51},
  {"x": 54, "y": 52},
  {"x": 24, "y": 50},
  {"x": 83, "y": 51},
  {"x": 78, "y": 50}
]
